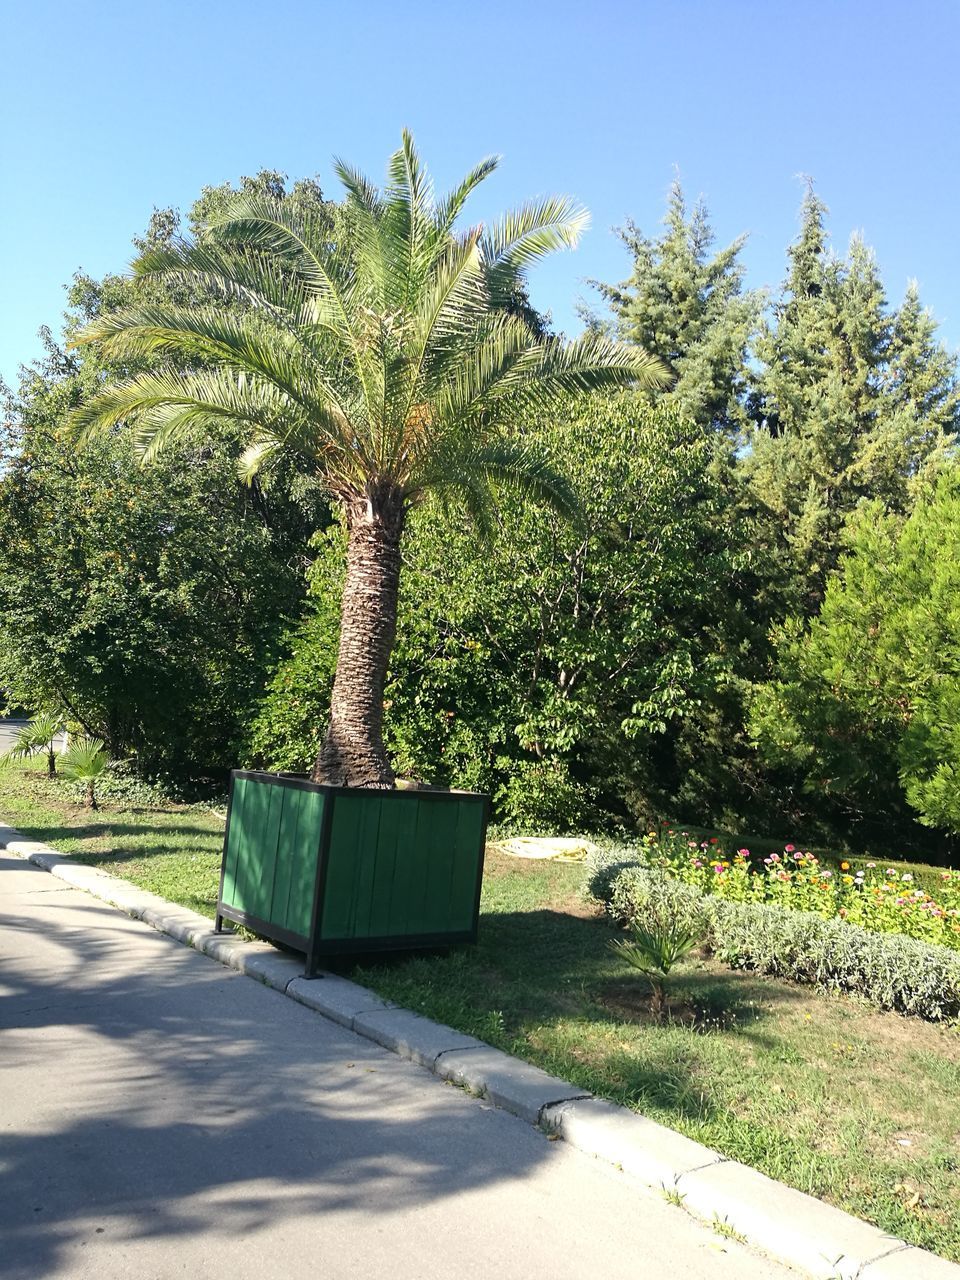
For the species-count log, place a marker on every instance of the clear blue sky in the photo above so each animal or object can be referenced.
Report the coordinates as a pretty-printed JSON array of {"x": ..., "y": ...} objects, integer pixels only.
[{"x": 108, "y": 109}]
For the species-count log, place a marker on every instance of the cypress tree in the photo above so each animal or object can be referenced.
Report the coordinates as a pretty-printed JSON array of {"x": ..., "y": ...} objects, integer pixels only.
[
  {"x": 852, "y": 402},
  {"x": 687, "y": 305}
]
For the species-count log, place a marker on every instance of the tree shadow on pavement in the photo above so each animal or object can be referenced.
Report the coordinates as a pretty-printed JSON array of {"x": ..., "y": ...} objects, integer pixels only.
[{"x": 152, "y": 1094}]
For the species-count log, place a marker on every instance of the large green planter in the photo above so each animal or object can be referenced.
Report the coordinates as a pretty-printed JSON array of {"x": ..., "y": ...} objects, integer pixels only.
[{"x": 338, "y": 870}]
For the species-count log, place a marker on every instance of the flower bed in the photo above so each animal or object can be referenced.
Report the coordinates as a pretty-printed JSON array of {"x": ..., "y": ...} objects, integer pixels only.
[
  {"x": 891, "y": 971},
  {"x": 878, "y": 898}
]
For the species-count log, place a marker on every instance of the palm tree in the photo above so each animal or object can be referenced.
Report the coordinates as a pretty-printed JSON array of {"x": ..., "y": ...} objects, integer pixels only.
[
  {"x": 86, "y": 760},
  {"x": 39, "y": 735},
  {"x": 389, "y": 357},
  {"x": 655, "y": 948}
]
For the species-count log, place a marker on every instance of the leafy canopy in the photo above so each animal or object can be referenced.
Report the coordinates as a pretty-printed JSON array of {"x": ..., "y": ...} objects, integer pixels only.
[
  {"x": 558, "y": 666},
  {"x": 867, "y": 696},
  {"x": 686, "y": 303}
]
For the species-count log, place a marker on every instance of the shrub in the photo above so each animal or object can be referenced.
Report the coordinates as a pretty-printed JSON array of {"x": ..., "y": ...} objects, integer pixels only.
[
  {"x": 541, "y": 795},
  {"x": 603, "y": 867},
  {"x": 638, "y": 893},
  {"x": 890, "y": 970},
  {"x": 86, "y": 760}
]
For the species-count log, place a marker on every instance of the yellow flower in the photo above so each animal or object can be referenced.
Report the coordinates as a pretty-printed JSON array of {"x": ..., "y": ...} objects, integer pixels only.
[{"x": 844, "y": 866}]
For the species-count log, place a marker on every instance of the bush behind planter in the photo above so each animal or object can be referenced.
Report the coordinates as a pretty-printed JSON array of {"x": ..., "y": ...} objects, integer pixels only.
[{"x": 890, "y": 970}]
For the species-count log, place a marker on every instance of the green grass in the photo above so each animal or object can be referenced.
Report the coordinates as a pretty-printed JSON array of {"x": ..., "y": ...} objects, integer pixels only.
[
  {"x": 858, "y": 1107},
  {"x": 822, "y": 1092},
  {"x": 171, "y": 850}
]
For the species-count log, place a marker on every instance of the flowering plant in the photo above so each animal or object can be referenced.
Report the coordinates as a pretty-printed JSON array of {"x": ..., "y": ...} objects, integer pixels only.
[{"x": 879, "y": 898}]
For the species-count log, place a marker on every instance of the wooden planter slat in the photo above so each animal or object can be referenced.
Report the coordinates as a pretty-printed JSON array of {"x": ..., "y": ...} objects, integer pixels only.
[{"x": 333, "y": 870}]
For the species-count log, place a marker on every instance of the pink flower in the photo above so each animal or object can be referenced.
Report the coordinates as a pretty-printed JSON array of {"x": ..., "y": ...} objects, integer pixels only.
[{"x": 789, "y": 848}]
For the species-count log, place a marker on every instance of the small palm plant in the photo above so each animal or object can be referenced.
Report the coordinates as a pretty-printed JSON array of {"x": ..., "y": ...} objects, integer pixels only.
[
  {"x": 86, "y": 760},
  {"x": 39, "y": 735},
  {"x": 655, "y": 949}
]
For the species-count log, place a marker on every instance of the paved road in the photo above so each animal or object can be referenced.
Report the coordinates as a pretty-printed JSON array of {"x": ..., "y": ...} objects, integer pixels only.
[
  {"x": 8, "y": 733},
  {"x": 162, "y": 1116}
]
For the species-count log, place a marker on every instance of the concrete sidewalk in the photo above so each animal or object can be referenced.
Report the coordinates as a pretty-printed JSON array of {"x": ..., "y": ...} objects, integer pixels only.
[{"x": 164, "y": 1116}]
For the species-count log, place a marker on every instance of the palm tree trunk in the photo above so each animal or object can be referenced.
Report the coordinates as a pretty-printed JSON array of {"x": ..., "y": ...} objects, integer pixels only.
[
  {"x": 353, "y": 754},
  {"x": 92, "y": 795}
]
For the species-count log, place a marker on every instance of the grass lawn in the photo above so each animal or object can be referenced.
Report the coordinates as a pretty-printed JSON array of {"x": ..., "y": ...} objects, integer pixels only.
[
  {"x": 858, "y": 1107},
  {"x": 172, "y": 850}
]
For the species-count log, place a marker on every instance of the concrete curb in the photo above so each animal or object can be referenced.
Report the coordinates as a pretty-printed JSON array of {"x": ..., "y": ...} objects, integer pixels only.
[{"x": 796, "y": 1228}]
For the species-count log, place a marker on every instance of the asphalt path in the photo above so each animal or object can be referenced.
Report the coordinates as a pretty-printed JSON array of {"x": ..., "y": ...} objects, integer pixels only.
[
  {"x": 8, "y": 733},
  {"x": 162, "y": 1116}
]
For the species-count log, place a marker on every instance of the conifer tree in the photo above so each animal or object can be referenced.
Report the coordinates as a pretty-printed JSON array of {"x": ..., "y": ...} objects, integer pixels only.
[
  {"x": 853, "y": 401},
  {"x": 686, "y": 304},
  {"x": 920, "y": 408}
]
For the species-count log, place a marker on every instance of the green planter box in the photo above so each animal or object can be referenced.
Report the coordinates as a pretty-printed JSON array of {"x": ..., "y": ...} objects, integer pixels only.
[{"x": 339, "y": 870}]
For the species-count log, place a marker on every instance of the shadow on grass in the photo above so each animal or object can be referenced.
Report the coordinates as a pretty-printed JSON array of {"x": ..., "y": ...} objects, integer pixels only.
[
  {"x": 137, "y": 853},
  {"x": 543, "y": 984},
  {"x": 101, "y": 828},
  {"x": 169, "y": 840}
]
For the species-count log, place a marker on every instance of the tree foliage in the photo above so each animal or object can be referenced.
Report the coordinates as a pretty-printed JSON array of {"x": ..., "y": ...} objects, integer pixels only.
[
  {"x": 687, "y": 304},
  {"x": 555, "y": 666},
  {"x": 384, "y": 357},
  {"x": 853, "y": 401},
  {"x": 753, "y": 625},
  {"x": 866, "y": 699},
  {"x": 145, "y": 603}
]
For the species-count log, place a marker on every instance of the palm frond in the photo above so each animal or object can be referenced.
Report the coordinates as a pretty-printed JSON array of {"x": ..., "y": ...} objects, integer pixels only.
[
  {"x": 410, "y": 186},
  {"x": 552, "y": 369},
  {"x": 476, "y": 472},
  {"x": 364, "y": 193},
  {"x": 85, "y": 760},
  {"x": 529, "y": 233},
  {"x": 451, "y": 206},
  {"x": 36, "y": 736},
  {"x": 377, "y": 344},
  {"x": 656, "y": 950}
]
